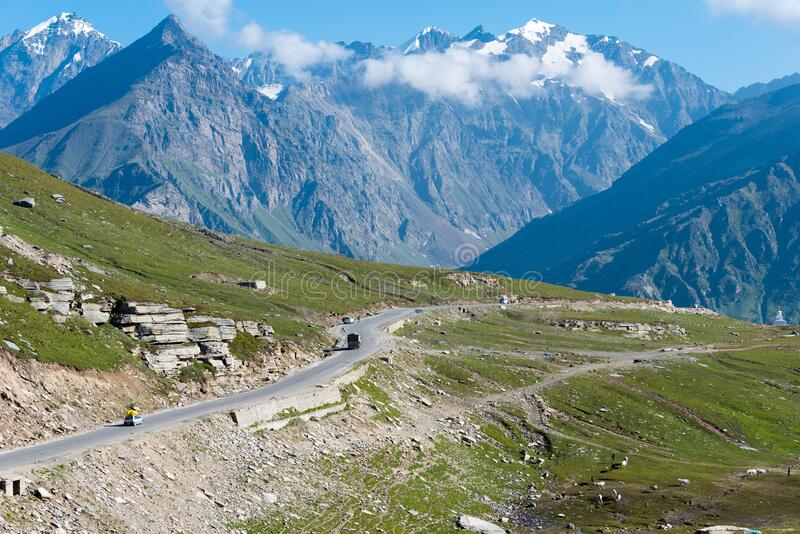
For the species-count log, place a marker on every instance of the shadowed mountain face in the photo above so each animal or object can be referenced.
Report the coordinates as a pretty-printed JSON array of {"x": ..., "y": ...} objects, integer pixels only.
[
  {"x": 36, "y": 63},
  {"x": 383, "y": 173},
  {"x": 712, "y": 217}
]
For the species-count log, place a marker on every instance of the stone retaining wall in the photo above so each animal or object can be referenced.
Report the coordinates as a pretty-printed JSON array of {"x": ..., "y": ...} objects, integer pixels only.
[
  {"x": 395, "y": 326},
  {"x": 350, "y": 376},
  {"x": 301, "y": 402}
]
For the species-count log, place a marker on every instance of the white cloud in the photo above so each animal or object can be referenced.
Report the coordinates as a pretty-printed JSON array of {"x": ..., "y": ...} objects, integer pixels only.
[
  {"x": 210, "y": 18},
  {"x": 596, "y": 75},
  {"x": 784, "y": 12},
  {"x": 290, "y": 49},
  {"x": 468, "y": 76},
  {"x": 205, "y": 17}
]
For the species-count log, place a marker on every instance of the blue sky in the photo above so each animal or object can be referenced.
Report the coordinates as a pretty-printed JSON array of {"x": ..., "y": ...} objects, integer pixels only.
[{"x": 727, "y": 47}]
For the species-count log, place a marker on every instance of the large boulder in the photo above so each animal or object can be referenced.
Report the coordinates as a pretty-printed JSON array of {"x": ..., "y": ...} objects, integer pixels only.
[
  {"x": 94, "y": 313},
  {"x": 27, "y": 202},
  {"x": 474, "y": 524}
]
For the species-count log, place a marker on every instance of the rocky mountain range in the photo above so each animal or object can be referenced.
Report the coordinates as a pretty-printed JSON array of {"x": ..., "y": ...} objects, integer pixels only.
[
  {"x": 37, "y": 62},
  {"x": 326, "y": 161},
  {"x": 710, "y": 218}
]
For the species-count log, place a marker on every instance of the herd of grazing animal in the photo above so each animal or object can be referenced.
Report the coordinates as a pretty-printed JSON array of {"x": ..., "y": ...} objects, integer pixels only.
[{"x": 683, "y": 482}]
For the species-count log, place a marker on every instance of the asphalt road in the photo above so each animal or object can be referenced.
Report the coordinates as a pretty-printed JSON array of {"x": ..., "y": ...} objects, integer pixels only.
[{"x": 318, "y": 373}]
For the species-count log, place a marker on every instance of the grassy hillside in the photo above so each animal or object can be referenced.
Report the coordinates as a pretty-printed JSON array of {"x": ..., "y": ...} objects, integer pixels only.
[
  {"x": 700, "y": 413},
  {"x": 152, "y": 259}
]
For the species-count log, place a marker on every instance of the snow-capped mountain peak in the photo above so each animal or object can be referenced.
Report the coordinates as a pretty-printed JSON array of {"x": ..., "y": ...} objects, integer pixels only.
[
  {"x": 64, "y": 24},
  {"x": 429, "y": 38},
  {"x": 45, "y": 57},
  {"x": 61, "y": 24},
  {"x": 534, "y": 31}
]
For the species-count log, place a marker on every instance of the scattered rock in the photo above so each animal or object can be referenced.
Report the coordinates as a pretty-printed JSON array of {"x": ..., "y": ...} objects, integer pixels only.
[
  {"x": 424, "y": 401},
  {"x": 27, "y": 202},
  {"x": 43, "y": 494},
  {"x": 11, "y": 345}
]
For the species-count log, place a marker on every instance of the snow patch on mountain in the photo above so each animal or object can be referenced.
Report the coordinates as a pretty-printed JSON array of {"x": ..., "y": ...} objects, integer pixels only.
[
  {"x": 494, "y": 47},
  {"x": 646, "y": 124},
  {"x": 561, "y": 55},
  {"x": 271, "y": 90},
  {"x": 649, "y": 62},
  {"x": 243, "y": 67}
]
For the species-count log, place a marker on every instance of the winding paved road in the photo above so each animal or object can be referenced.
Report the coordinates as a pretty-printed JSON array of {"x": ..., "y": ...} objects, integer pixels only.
[{"x": 318, "y": 373}]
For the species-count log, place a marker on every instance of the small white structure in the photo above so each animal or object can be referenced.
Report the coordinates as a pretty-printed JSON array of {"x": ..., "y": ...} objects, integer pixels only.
[
  {"x": 779, "y": 320},
  {"x": 503, "y": 299}
]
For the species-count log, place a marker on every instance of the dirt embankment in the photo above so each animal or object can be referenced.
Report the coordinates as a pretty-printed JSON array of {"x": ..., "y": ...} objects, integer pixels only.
[{"x": 41, "y": 400}]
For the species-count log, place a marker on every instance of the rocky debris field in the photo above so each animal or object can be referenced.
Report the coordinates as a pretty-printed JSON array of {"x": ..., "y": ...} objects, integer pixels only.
[{"x": 634, "y": 330}]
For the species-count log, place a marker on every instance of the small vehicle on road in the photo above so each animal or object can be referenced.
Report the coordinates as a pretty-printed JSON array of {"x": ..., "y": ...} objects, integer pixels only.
[
  {"x": 347, "y": 320},
  {"x": 353, "y": 341},
  {"x": 132, "y": 418}
]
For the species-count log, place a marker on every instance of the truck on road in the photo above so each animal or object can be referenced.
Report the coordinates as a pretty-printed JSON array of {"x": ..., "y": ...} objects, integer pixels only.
[{"x": 353, "y": 341}]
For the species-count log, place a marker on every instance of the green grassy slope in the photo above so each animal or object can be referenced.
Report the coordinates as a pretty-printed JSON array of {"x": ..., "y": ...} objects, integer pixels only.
[
  {"x": 707, "y": 417},
  {"x": 153, "y": 259}
]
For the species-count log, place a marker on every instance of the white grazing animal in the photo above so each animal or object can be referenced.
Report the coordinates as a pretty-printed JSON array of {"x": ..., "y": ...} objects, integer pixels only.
[
  {"x": 624, "y": 462},
  {"x": 683, "y": 481}
]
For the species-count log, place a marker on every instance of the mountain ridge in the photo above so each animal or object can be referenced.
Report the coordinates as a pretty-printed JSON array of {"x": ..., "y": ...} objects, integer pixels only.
[
  {"x": 431, "y": 175},
  {"x": 760, "y": 88},
  {"x": 706, "y": 219}
]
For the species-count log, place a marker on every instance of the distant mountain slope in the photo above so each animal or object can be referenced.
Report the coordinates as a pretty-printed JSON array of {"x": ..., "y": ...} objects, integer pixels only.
[
  {"x": 758, "y": 89},
  {"x": 712, "y": 217},
  {"x": 35, "y": 63},
  {"x": 331, "y": 163}
]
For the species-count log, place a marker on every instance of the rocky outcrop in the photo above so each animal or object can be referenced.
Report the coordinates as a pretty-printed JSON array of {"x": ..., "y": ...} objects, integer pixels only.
[
  {"x": 161, "y": 326},
  {"x": 177, "y": 340},
  {"x": 254, "y": 328},
  {"x": 56, "y": 295}
]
